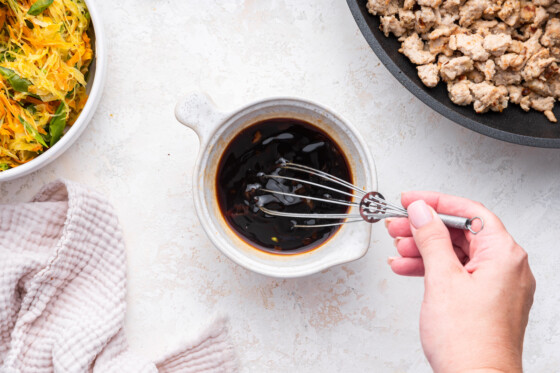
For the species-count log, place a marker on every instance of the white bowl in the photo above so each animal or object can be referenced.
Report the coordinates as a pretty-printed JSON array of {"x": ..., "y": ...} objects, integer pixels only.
[
  {"x": 95, "y": 87},
  {"x": 215, "y": 129}
]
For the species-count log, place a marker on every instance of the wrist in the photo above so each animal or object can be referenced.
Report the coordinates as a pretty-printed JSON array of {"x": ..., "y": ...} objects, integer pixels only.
[
  {"x": 484, "y": 358},
  {"x": 503, "y": 366}
]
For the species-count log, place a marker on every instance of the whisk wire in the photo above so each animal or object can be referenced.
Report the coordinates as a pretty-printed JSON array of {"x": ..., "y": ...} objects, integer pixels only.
[
  {"x": 309, "y": 216},
  {"x": 325, "y": 216},
  {"x": 327, "y": 225},
  {"x": 335, "y": 201},
  {"x": 309, "y": 183},
  {"x": 321, "y": 174}
]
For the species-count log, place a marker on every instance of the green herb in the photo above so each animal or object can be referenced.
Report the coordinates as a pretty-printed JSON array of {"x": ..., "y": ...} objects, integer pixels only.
[
  {"x": 86, "y": 76},
  {"x": 69, "y": 94},
  {"x": 39, "y": 6},
  {"x": 274, "y": 239},
  {"x": 31, "y": 109},
  {"x": 18, "y": 83},
  {"x": 6, "y": 56},
  {"x": 58, "y": 124},
  {"x": 10, "y": 53},
  {"x": 35, "y": 96},
  {"x": 30, "y": 129},
  {"x": 4, "y": 166}
]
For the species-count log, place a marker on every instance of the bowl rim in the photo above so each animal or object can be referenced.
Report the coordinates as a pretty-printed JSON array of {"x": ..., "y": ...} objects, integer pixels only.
[
  {"x": 87, "y": 113},
  {"x": 435, "y": 104}
]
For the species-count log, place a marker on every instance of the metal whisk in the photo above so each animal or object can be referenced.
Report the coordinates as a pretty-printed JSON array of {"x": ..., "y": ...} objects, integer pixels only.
[{"x": 372, "y": 205}]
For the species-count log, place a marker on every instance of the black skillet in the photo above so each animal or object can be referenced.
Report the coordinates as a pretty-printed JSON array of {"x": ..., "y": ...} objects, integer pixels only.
[{"x": 512, "y": 125}]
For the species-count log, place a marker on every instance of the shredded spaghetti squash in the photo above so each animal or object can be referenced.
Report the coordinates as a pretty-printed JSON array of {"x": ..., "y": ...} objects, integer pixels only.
[{"x": 45, "y": 54}]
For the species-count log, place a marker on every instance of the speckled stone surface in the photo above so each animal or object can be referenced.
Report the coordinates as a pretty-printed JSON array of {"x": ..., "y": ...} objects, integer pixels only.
[{"x": 357, "y": 317}]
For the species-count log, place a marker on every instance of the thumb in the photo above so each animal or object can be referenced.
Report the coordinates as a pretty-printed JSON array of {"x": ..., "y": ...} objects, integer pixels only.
[{"x": 432, "y": 239}]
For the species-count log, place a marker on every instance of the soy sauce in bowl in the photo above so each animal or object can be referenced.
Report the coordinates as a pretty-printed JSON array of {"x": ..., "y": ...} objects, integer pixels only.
[{"x": 256, "y": 151}]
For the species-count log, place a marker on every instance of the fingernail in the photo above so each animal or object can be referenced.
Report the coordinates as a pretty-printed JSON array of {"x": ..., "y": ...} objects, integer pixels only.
[
  {"x": 419, "y": 214},
  {"x": 388, "y": 221},
  {"x": 396, "y": 241},
  {"x": 391, "y": 259}
]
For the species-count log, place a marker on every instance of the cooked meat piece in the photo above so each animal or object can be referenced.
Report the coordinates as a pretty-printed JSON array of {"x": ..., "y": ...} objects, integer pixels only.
[
  {"x": 475, "y": 76},
  {"x": 541, "y": 17},
  {"x": 525, "y": 103},
  {"x": 507, "y": 77},
  {"x": 511, "y": 61},
  {"x": 539, "y": 87},
  {"x": 448, "y": 19},
  {"x": 409, "y": 4},
  {"x": 488, "y": 68},
  {"x": 441, "y": 31},
  {"x": 413, "y": 48},
  {"x": 502, "y": 28},
  {"x": 455, "y": 67},
  {"x": 489, "y": 97},
  {"x": 451, "y": 6},
  {"x": 391, "y": 24},
  {"x": 554, "y": 8},
  {"x": 515, "y": 93},
  {"x": 537, "y": 64},
  {"x": 544, "y": 3},
  {"x": 527, "y": 12},
  {"x": 483, "y": 27},
  {"x": 442, "y": 59},
  {"x": 492, "y": 10},
  {"x": 460, "y": 93},
  {"x": 532, "y": 45},
  {"x": 472, "y": 10},
  {"x": 440, "y": 45},
  {"x": 550, "y": 116},
  {"x": 497, "y": 44},
  {"x": 429, "y": 74},
  {"x": 551, "y": 35},
  {"x": 407, "y": 18},
  {"x": 517, "y": 47},
  {"x": 544, "y": 104},
  {"x": 469, "y": 45},
  {"x": 510, "y": 12},
  {"x": 383, "y": 7},
  {"x": 430, "y": 3},
  {"x": 554, "y": 86},
  {"x": 425, "y": 19}
]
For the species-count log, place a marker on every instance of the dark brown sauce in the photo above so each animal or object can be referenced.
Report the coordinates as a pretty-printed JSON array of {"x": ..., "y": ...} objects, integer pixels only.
[{"x": 256, "y": 151}]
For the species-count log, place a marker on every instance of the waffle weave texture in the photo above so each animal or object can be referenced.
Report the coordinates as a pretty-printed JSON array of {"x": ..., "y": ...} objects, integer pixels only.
[{"x": 63, "y": 288}]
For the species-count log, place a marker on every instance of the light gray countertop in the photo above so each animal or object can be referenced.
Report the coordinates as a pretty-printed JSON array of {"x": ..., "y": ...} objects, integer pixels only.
[{"x": 357, "y": 317}]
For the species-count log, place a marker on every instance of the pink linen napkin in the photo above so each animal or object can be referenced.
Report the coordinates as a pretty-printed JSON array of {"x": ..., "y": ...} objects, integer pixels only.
[{"x": 63, "y": 287}]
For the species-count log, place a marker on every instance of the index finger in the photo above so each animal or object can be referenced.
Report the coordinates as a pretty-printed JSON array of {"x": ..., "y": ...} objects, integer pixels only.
[{"x": 457, "y": 206}]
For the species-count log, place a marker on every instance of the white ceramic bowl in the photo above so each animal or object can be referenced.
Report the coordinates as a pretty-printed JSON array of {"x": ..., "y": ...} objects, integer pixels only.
[
  {"x": 215, "y": 129},
  {"x": 95, "y": 87}
]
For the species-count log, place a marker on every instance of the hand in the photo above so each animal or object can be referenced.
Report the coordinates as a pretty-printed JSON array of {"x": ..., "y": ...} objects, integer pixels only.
[{"x": 478, "y": 288}]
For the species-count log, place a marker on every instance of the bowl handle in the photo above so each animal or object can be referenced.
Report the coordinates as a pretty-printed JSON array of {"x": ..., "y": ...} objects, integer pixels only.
[{"x": 199, "y": 112}]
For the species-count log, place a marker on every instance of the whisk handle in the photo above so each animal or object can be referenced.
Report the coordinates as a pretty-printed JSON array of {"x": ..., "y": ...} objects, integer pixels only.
[{"x": 461, "y": 223}]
